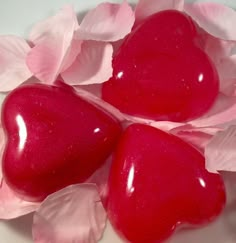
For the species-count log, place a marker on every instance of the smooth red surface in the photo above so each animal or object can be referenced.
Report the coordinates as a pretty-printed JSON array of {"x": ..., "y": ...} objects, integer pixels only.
[
  {"x": 158, "y": 181},
  {"x": 55, "y": 138},
  {"x": 161, "y": 73}
]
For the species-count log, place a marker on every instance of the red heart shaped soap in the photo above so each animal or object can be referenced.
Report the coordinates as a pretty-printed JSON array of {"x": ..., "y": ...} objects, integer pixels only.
[
  {"x": 160, "y": 72},
  {"x": 157, "y": 181},
  {"x": 54, "y": 138}
]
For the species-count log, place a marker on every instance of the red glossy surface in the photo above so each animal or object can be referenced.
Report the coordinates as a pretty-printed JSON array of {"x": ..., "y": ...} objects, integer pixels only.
[
  {"x": 161, "y": 73},
  {"x": 55, "y": 138},
  {"x": 157, "y": 181}
]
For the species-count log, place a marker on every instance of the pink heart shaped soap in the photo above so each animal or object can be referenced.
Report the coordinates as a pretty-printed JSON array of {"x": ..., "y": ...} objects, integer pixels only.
[
  {"x": 157, "y": 181},
  {"x": 160, "y": 72},
  {"x": 54, "y": 139}
]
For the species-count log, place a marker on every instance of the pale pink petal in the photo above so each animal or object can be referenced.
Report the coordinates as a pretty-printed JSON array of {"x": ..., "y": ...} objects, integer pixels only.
[
  {"x": 100, "y": 178},
  {"x": 73, "y": 214},
  {"x": 223, "y": 111},
  {"x": 228, "y": 86},
  {"x": 191, "y": 129},
  {"x": 221, "y": 53},
  {"x": 49, "y": 27},
  {"x": 217, "y": 48},
  {"x": 52, "y": 51},
  {"x": 11, "y": 206},
  {"x": 13, "y": 69},
  {"x": 217, "y": 19},
  {"x": 92, "y": 65},
  {"x": 227, "y": 72},
  {"x": 107, "y": 22},
  {"x": 220, "y": 152},
  {"x": 164, "y": 125},
  {"x": 197, "y": 138},
  {"x": 73, "y": 50},
  {"x": 146, "y": 8}
]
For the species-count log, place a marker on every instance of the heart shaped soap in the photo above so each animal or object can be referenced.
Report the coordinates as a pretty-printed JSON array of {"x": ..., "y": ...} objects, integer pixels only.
[
  {"x": 160, "y": 72},
  {"x": 54, "y": 139},
  {"x": 157, "y": 181}
]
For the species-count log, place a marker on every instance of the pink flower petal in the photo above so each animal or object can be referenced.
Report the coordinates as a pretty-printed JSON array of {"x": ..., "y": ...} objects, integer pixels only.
[
  {"x": 221, "y": 53},
  {"x": 217, "y": 48},
  {"x": 93, "y": 64},
  {"x": 217, "y": 19},
  {"x": 107, "y": 22},
  {"x": 100, "y": 178},
  {"x": 73, "y": 50},
  {"x": 11, "y": 206},
  {"x": 163, "y": 125},
  {"x": 227, "y": 73},
  {"x": 146, "y": 8},
  {"x": 223, "y": 111},
  {"x": 197, "y": 138},
  {"x": 54, "y": 50},
  {"x": 220, "y": 152},
  {"x": 73, "y": 214},
  {"x": 49, "y": 27},
  {"x": 191, "y": 129},
  {"x": 13, "y": 69}
]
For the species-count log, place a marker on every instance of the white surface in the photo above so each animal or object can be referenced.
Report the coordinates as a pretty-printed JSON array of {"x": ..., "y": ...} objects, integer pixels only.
[{"x": 16, "y": 17}]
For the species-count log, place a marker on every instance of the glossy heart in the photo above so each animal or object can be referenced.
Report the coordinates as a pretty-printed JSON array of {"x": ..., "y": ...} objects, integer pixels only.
[
  {"x": 160, "y": 71},
  {"x": 54, "y": 138},
  {"x": 157, "y": 182}
]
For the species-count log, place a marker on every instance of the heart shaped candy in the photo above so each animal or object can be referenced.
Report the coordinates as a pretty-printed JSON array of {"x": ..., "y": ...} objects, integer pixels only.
[
  {"x": 160, "y": 72},
  {"x": 54, "y": 138},
  {"x": 157, "y": 181}
]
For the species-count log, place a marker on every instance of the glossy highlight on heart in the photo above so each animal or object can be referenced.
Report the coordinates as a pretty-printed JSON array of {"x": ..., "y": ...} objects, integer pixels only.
[
  {"x": 54, "y": 138},
  {"x": 160, "y": 71},
  {"x": 157, "y": 181}
]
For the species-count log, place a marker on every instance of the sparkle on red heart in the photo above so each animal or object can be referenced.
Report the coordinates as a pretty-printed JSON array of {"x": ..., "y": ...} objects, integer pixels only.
[
  {"x": 54, "y": 138},
  {"x": 160, "y": 72},
  {"x": 158, "y": 181}
]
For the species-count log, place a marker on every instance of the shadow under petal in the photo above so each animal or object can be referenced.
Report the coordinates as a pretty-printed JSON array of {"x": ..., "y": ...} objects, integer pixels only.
[{"x": 17, "y": 230}]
